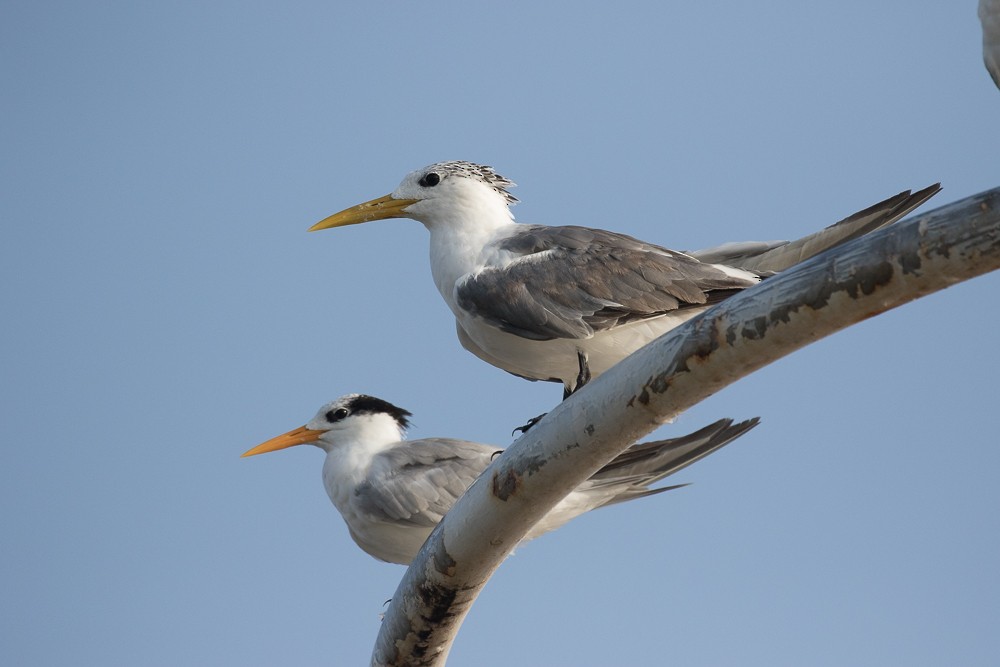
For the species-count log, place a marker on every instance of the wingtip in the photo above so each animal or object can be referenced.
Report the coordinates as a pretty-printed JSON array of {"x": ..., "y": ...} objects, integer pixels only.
[
  {"x": 928, "y": 192},
  {"x": 733, "y": 431}
]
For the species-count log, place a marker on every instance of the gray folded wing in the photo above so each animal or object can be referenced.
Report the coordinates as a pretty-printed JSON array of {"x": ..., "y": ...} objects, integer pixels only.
[
  {"x": 417, "y": 482},
  {"x": 570, "y": 282}
]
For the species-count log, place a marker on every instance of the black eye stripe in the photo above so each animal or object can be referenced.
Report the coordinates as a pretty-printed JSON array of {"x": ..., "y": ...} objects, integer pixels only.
[{"x": 430, "y": 179}]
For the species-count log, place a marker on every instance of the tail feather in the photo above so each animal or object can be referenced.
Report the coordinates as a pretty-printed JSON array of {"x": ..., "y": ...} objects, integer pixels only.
[
  {"x": 768, "y": 258},
  {"x": 641, "y": 465},
  {"x": 629, "y": 475},
  {"x": 642, "y": 492}
]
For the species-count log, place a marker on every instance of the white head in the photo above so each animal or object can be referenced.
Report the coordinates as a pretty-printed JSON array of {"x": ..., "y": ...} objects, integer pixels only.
[
  {"x": 353, "y": 418},
  {"x": 442, "y": 192}
]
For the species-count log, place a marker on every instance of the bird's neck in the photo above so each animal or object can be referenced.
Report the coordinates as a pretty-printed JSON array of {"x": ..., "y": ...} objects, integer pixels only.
[
  {"x": 349, "y": 460},
  {"x": 459, "y": 247}
]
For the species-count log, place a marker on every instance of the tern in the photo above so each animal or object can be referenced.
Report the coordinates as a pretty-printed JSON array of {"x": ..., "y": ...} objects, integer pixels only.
[
  {"x": 564, "y": 304},
  {"x": 989, "y": 16},
  {"x": 391, "y": 492}
]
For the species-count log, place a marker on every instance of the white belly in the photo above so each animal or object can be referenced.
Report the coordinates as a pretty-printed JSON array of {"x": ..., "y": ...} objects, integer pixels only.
[
  {"x": 557, "y": 360},
  {"x": 393, "y": 543}
]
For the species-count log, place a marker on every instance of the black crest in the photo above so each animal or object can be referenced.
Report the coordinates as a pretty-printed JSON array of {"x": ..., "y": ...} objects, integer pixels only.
[{"x": 365, "y": 404}]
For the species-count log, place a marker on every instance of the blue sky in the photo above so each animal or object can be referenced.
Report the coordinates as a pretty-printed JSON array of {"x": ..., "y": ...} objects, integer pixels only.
[{"x": 165, "y": 310}]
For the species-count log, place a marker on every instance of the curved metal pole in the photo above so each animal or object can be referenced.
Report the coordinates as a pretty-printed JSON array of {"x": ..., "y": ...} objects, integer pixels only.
[{"x": 827, "y": 293}]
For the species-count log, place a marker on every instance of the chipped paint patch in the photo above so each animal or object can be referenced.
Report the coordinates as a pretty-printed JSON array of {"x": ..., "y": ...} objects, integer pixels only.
[
  {"x": 505, "y": 484},
  {"x": 910, "y": 263},
  {"x": 443, "y": 562},
  {"x": 437, "y": 600},
  {"x": 755, "y": 328},
  {"x": 437, "y": 610},
  {"x": 872, "y": 279}
]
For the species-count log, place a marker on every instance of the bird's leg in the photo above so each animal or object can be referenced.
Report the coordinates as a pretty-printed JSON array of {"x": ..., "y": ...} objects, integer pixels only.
[{"x": 584, "y": 376}]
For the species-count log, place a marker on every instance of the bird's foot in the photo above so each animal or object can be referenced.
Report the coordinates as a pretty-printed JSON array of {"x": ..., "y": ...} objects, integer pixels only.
[{"x": 531, "y": 422}]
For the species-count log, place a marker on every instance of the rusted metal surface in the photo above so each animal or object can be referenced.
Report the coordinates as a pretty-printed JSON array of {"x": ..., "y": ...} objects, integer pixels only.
[{"x": 814, "y": 299}]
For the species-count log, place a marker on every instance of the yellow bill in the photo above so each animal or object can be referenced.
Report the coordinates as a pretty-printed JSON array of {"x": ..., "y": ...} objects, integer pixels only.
[
  {"x": 299, "y": 436},
  {"x": 382, "y": 208}
]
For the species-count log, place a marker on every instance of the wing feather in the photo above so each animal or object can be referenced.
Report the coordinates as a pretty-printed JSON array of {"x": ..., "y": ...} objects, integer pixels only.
[
  {"x": 570, "y": 282},
  {"x": 417, "y": 482}
]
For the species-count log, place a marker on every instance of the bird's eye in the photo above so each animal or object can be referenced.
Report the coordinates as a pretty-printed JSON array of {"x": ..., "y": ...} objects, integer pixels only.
[
  {"x": 429, "y": 180},
  {"x": 337, "y": 415}
]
